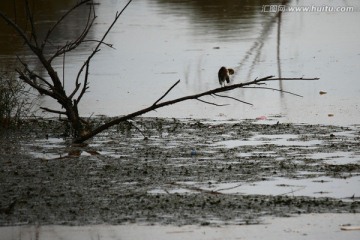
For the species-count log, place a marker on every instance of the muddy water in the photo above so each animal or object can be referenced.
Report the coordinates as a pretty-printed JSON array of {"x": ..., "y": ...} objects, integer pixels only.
[
  {"x": 158, "y": 42},
  {"x": 178, "y": 172}
]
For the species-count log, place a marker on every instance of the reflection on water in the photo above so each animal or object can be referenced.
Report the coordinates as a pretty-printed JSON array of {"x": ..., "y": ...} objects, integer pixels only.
[
  {"x": 158, "y": 42},
  {"x": 46, "y": 14},
  {"x": 222, "y": 20}
]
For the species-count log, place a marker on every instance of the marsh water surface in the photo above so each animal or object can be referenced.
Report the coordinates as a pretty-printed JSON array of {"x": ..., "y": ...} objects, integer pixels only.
[{"x": 158, "y": 42}]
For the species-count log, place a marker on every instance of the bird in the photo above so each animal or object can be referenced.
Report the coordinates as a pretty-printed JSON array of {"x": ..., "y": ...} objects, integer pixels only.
[{"x": 224, "y": 75}]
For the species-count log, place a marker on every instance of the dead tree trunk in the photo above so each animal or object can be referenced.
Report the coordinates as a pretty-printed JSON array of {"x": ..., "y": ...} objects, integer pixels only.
[{"x": 54, "y": 88}]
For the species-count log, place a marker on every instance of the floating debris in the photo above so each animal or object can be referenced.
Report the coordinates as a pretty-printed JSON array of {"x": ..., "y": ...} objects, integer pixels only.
[
  {"x": 261, "y": 118},
  {"x": 348, "y": 228}
]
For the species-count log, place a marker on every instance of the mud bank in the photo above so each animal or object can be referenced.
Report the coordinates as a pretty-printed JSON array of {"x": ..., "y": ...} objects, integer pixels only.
[{"x": 180, "y": 172}]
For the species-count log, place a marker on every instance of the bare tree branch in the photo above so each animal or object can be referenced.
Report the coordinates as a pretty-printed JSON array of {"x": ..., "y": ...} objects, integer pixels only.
[
  {"x": 86, "y": 84},
  {"x": 132, "y": 124},
  {"x": 215, "y": 104},
  {"x": 33, "y": 84},
  {"x": 55, "y": 89},
  {"x": 166, "y": 92},
  {"x": 18, "y": 29},
  {"x": 232, "y": 99},
  {"x": 78, "y": 41},
  {"x": 53, "y": 111},
  {"x": 118, "y": 14},
  {"x": 38, "y": 52},
  {"x": 275, "y": 89},
  {"x": 104, "y": 43},
  {"x": 29, "y": 14},
  {"x": 291, "y": 79},
  {"x": 60, "y": 20},
  {"x": 170, "y": 102},
  {"x": 33, "y": 74}
]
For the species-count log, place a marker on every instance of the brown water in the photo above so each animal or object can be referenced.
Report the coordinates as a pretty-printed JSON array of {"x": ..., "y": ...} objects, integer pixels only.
[{"x": 158, "y": 42}]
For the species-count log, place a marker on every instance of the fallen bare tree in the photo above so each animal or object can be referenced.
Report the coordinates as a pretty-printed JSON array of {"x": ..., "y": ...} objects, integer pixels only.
[{"x": 53, "y": 87}]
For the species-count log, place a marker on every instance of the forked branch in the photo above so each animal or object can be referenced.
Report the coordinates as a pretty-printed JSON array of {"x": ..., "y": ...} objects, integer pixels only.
[{"x": 166, "y": 92}]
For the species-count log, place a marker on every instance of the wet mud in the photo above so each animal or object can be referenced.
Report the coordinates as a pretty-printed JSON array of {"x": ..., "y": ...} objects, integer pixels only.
[{"x": 172, "y": 171}]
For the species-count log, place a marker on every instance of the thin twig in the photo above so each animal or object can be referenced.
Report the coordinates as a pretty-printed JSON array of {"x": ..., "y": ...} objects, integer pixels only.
[
  {"x": 229, "y": 188},
  {"x": 19, "y": 30},
  {"x": 98, "y": 41},
  {"x": 292, "y": 79},
  {"x": 79, "y": 40},
  {"x": 194, "y": 188},
  {"x": 60, "y": 20},
  {"x": 166, "y": 92},
  {"x": 86, "y": 84},
  {"x": 118, "y": 14},
  {"x": 218, "y": 95},
  {"x": 53, "y": 111},
  {"x": 31, "y": 20},
  {"x": 275, "y": 89},
  {"x": 60, "y": 96},
  {"x": 41, "y": 90},
  {"x": 132, "y": 124},
  {"x": 292, "y": 191},
  {"x": 33, "y": 73},
  {"x": 215, "y": 104}
]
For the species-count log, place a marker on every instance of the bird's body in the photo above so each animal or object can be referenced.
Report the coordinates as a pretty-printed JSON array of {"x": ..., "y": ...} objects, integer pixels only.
[{"x": 224, "y": 75}]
